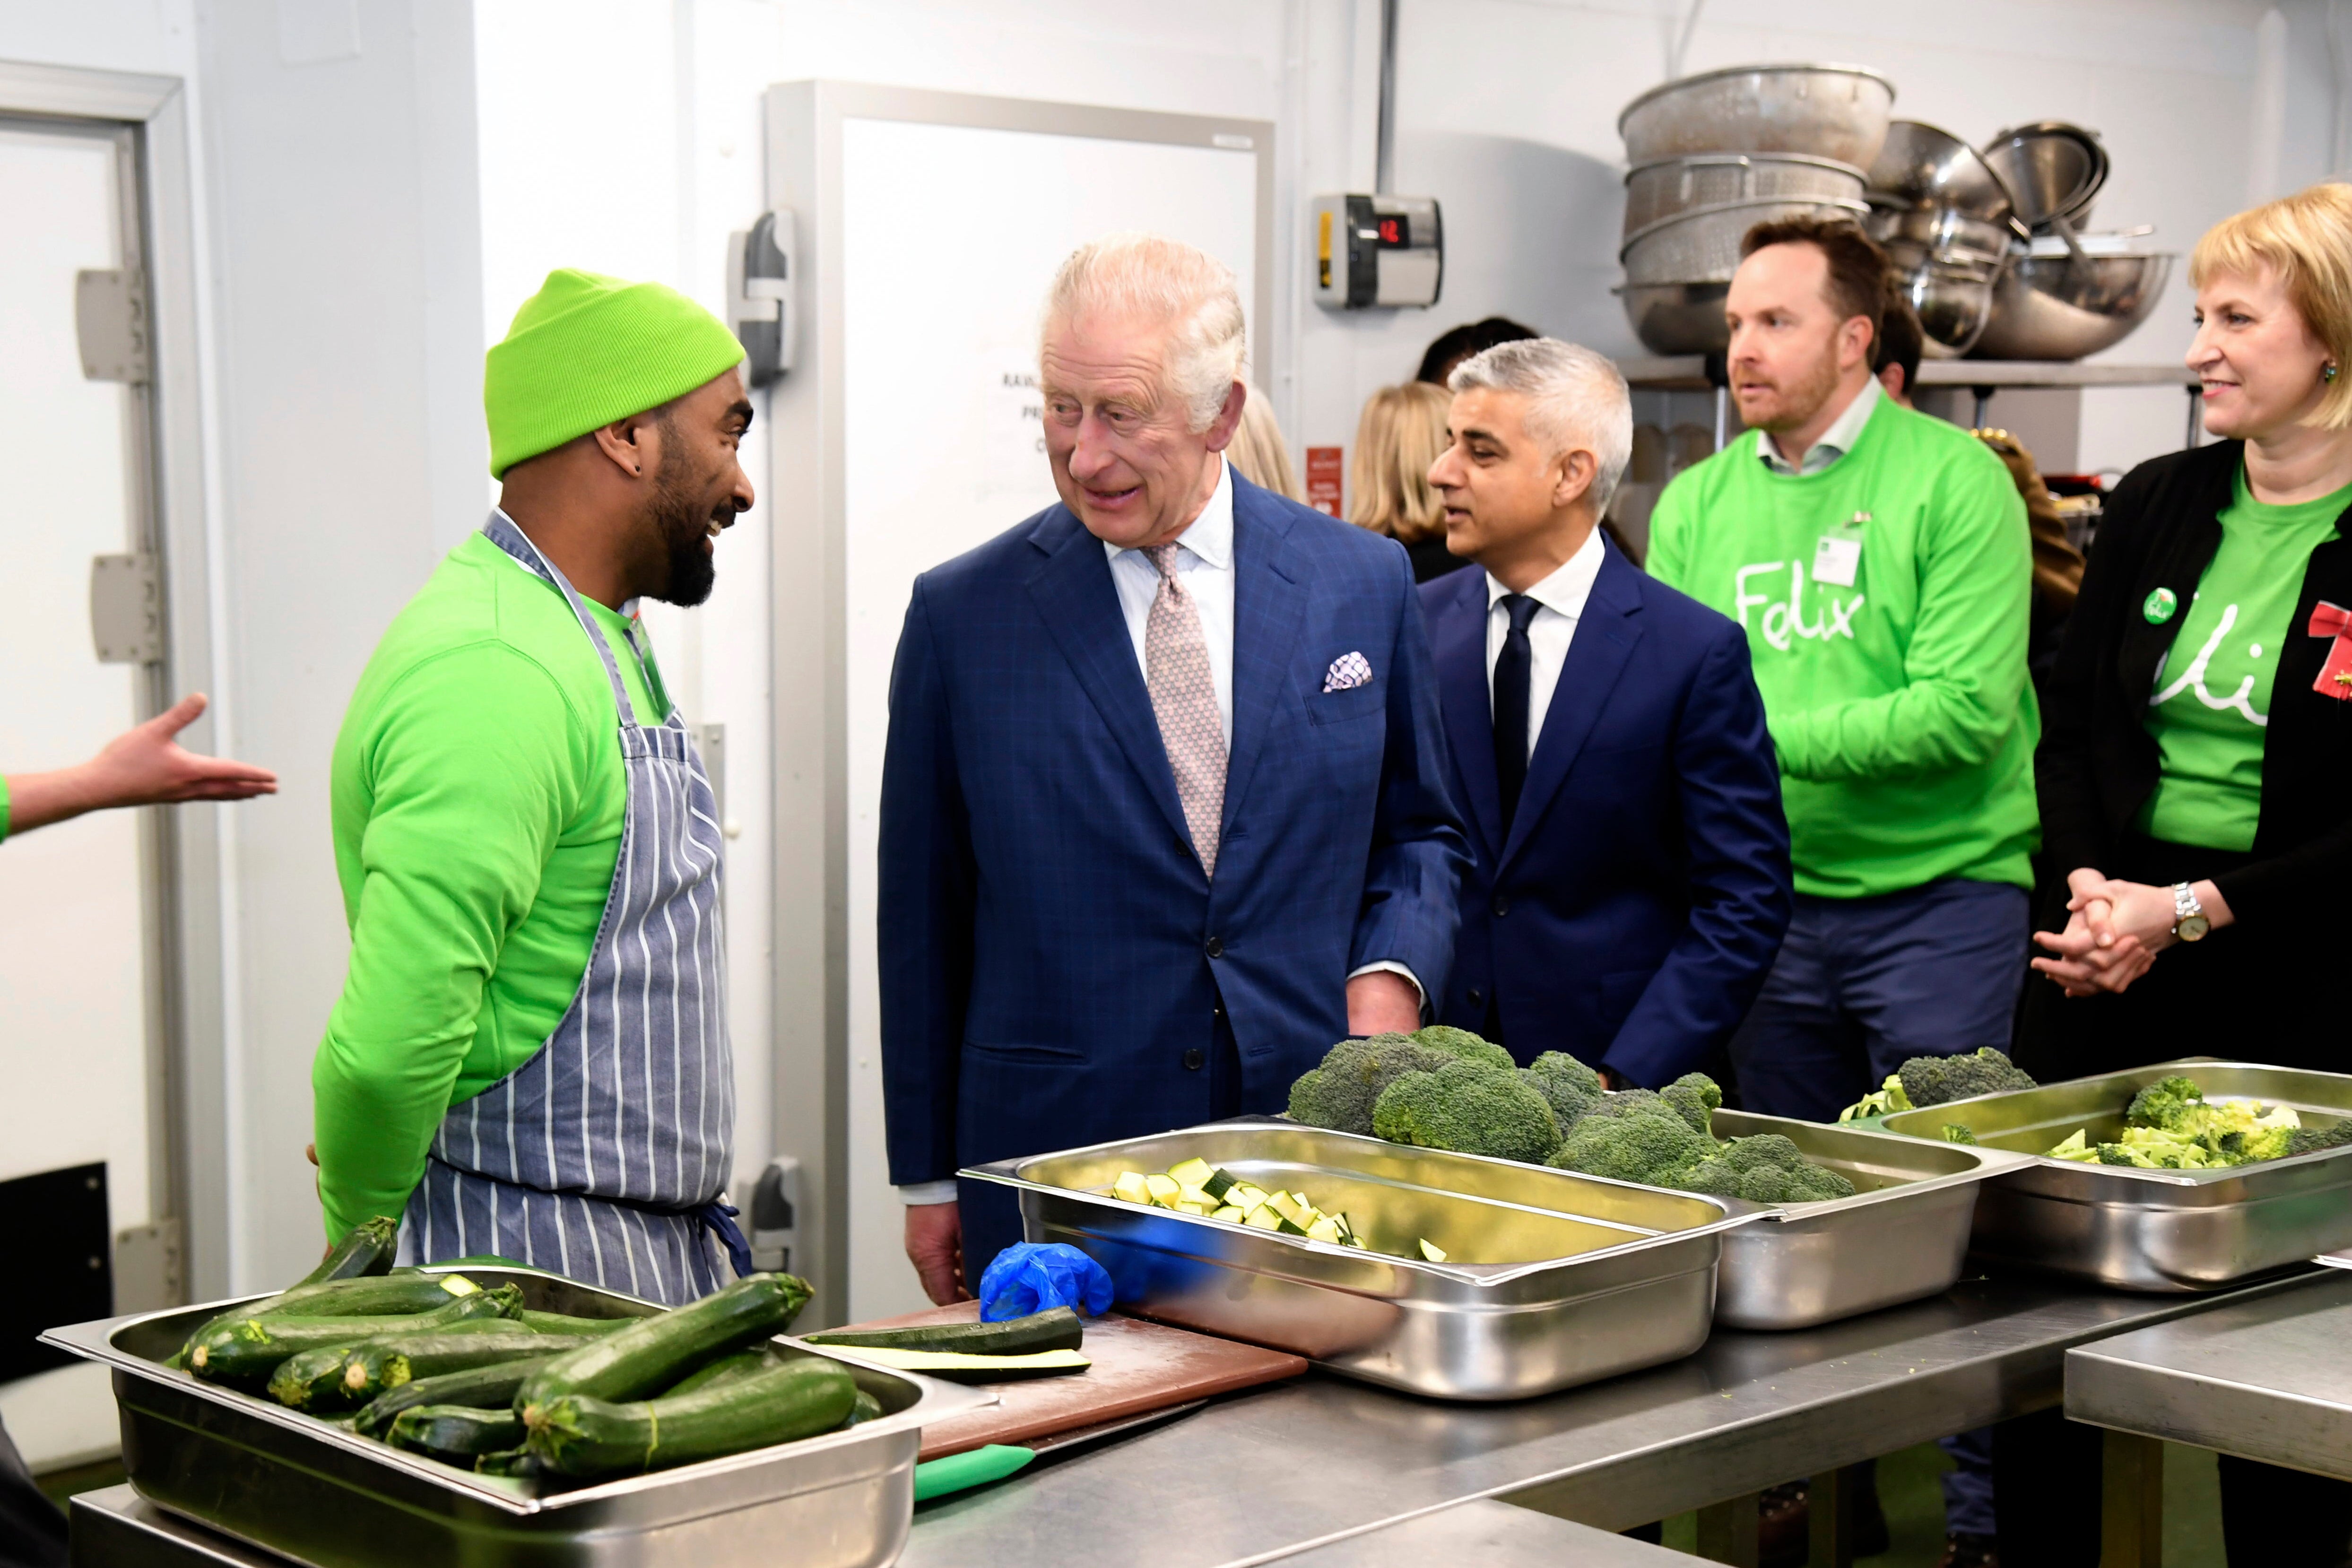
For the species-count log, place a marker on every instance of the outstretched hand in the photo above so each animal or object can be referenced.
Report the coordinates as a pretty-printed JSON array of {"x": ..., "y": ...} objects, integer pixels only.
[{"x": 144, "y": 765}]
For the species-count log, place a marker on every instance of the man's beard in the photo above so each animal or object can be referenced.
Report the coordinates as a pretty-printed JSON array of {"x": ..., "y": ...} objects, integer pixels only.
[
  {"x": 1799, "y": 402},
  {"x": 683, "y": 524}
]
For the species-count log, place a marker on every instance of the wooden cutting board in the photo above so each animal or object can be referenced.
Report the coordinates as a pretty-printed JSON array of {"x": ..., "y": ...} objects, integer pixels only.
[{"x": 1138, "y": 1367}]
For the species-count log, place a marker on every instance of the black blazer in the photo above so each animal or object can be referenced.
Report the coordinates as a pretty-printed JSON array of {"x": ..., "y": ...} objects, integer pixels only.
[{"x": 2099, "y": 763}]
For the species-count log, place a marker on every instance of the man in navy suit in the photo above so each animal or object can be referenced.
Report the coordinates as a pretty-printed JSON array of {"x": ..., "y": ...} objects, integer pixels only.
[
  {"x": 1630, "y": 882},
  {"x": 1163, "y": 807}
]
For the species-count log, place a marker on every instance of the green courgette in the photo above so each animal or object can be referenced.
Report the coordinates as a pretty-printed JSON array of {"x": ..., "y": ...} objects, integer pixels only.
[
  {"x": 366, "y": 1249},
  {"x": 558, "y": 1323},
  {"x": 457, "y": 1433},
  {"x": 726, "y": 1369},
  {"x": 654, "y": 1353},
  {"x": 577, "y": 1435},
  {"x": 520, "y": 1463},
  {"x": 1059, "y": 1329},
  {"x": 378, "y": 1296},
  {"x": 482, "y": 1388},
  {"x": 958, "y": 1368},
  {"x": 866, "y": 1408},
  {"x": 244, "y": 1353},
  {"x": 382, "y": 1365}
]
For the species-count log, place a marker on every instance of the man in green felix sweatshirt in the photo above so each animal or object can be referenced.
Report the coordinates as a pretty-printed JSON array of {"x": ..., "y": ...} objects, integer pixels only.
[{"x": 1879, "y": 561}]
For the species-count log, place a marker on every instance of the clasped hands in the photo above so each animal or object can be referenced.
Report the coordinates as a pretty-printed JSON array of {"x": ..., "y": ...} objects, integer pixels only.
[{"x": 2114, "y": 931}]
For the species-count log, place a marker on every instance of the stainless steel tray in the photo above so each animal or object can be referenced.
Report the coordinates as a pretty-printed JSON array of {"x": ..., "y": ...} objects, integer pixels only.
[
  {"x": 1903, "y": 1235},
  {"x": 307, "y": 1488},
  {"x": 2152, "y": 1230},
  {"x": 1552, "y": 1279}
]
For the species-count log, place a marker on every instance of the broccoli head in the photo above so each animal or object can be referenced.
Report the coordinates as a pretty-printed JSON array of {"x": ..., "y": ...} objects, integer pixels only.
[
  {"x": 1340, "y": 1093},
  {"x": 1817, "y": 1184},
  {"x": 1461, "y": 1045},
  {"x": 1714, "y": 1177},
  {"x": 2311, "y": 1139},
  {"x": 1695, "y": 1096},
  {"x": 1642, "y": 1148},
  {"x": 1628, "y": 1103},
  {"x": 1764, "y": 1150},
  {"x": 2116, "y": 1154},
  {"x": 1884, "y": 1101},
  {"x": 1939, "y": 1080},
  {"x": 1569, "y": 1086},
  {"x": 1955, "y": 1133},
  {"x": 2173, "y": 1104},
  {"x": 1470, "y": 1108}
]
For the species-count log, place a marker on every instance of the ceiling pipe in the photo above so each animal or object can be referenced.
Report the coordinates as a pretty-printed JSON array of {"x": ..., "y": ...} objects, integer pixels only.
[{"x": 1384, "y": 149}]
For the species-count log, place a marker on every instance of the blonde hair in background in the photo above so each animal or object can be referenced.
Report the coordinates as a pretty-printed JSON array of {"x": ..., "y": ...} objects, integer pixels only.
[
  {"x": 1399, "y": 435},
  {"x": 1258, "y": 452},
  {"x": 1157, "y": 278},
  {"x": 2307, "y": 237}
]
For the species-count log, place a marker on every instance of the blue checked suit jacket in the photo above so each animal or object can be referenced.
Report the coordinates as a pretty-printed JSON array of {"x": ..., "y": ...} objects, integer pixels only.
[
  {"x": 1630, "y": 911},
  {"x": 1044, "y": 927}
]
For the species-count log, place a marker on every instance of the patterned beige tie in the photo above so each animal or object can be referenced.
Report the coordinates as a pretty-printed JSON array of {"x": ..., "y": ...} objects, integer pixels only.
[{"x": 1184, "y": 700}]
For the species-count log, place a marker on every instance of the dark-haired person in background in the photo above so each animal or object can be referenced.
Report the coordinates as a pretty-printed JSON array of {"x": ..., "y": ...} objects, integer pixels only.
[
  {"x": 1895, "y": 351},
  {"x": 1450, "y": 348},
  {"x": 1878, "y": 560},
  {"x": 2192, "y": 781}
]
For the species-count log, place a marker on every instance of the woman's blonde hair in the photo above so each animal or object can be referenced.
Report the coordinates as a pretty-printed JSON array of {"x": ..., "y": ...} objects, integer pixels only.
[
  {"x": 1401, "y": 434},
  {"x": 1258, "y": 452},
  {"x": 2307, "y": 238}
]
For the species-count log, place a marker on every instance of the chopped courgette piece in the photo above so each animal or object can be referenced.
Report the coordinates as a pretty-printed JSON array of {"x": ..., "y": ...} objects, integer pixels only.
[
  {"x": 1184, "y": 1208},
  {"x": 1195, "y": 1195},
  {"x": 1219, "y": 1184},
  {"x": 1288, "y": 1229},
  {"x": 1262, "y": 1218},
  {"x": 1190, "y": 1173},
  {"x": 1289, "y": 1208},
  {"x": 1163, "y": 1190},
  {"x": 1432, "y": 1251},
  {"x": 1130, "y": 1186},
  {"x": 1324, "y": 1231},
  {"x": 1229, "y": 1212}
]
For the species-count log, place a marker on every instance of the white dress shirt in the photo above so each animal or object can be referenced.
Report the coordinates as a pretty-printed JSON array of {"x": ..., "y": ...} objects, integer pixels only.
[
  {"x": 1835, "y": 441},
  {"x": 1559, "y": 600}
]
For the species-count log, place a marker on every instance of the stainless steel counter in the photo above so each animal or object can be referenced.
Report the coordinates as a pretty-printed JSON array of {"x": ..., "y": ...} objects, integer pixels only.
[
  {"x": 1271, "y": 1474},
  {"x": 2266, "y": 1378},
  {"x": 1333, "y": 1474}
]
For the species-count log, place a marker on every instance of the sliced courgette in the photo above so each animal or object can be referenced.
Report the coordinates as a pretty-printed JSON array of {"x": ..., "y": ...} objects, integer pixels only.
[
  {"x": 1190, "y": 1173},
  {"x": 1219, "y": 1184},
  {"x": 1131, "y": 1188},
  {"x": 654, "y": 1353},
  {"x": 1058, "y": 1329},
  {"x": 578, "y": 1435},
  {"x": 1431, "y": 1251},
  {"x": 483, "y": 1388},
  {"x": 1228, "y": 1213},
  {"x": 958, "y": 1368},
  {"x": 1163, "y": 1189}
]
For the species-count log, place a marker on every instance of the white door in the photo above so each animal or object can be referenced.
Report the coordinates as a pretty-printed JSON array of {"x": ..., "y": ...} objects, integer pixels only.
[{"x": 75, "y": 904}]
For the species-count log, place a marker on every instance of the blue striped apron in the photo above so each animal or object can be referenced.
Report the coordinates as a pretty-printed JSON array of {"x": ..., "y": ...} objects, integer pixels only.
[{"x": 604, "y": 1156}]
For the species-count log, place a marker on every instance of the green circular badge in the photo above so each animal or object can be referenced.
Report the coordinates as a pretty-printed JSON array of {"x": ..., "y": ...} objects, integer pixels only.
[{"x": 2159, "y": 607}]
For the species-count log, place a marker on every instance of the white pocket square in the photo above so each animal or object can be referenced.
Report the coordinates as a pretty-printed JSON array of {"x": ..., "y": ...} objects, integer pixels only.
[{"x": 1347, "y": 672}]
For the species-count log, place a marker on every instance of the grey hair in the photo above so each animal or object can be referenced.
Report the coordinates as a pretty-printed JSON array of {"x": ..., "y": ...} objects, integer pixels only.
[
  {"x": 1574, "y": 397},
  {"x": 1148, "y": 276}
]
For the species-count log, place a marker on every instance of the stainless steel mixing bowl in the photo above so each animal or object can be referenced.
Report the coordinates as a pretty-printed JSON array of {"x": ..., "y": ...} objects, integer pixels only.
[
  {"x": 1702, "y": 243},
  {"x": 1823, "y": 110},
  {"x": 1951, "y": 291},
  {"x": 1921, "y": 167},
  {"x": 2053, "y": 169},
  {"x": 1678, "y": 318},
  {"x": 1940, "y": 230},
  {"x": 2065, "y": 307},
  {"x": 1674, "y": 185}
]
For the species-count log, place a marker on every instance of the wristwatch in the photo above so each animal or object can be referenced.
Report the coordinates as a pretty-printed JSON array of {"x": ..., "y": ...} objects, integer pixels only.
[{"x": 2188, "y": 922}]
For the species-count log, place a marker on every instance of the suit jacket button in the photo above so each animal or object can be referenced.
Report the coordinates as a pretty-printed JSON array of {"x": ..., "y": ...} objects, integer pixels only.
[
  {"x": 1216, "y": 947},
  {"x": 1193, "y": 1060},
  {"x": 1502, "y": 906},
  {"x": 1477, "y": 997}
]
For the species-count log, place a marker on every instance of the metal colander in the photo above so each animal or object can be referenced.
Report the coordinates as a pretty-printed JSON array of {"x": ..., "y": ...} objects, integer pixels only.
[
  {"x": 1701, "y": 246},
  {"x": 1671, "y": 186}
]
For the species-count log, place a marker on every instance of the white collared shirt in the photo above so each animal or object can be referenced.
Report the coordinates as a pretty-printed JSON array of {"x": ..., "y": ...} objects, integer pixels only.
[
  {"x": 1835, "y": 441},
  {"x": 1204, "y": 565},
  {"x": 1559, "y": 600}
]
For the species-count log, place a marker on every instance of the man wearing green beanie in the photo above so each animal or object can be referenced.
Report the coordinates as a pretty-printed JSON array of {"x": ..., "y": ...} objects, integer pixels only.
[{"x": 530, "y": 1056}]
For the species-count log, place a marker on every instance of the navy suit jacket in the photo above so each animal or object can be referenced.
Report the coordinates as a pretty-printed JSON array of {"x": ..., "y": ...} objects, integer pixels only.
[
  {"x": 1053, "y": 957},
  {"x": 1629, "y": 914}
]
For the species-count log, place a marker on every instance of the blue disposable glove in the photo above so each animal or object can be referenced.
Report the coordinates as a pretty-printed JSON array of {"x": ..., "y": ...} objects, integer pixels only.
[{"x": 1036, "y": 1277}]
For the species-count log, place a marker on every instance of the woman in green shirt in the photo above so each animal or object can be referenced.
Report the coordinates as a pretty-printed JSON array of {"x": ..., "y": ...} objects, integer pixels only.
[{"x": 2195, "y": 779}]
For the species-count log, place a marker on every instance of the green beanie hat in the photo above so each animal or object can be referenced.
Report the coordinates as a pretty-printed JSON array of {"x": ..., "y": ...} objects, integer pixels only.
[{"x": 587, "y": 350}]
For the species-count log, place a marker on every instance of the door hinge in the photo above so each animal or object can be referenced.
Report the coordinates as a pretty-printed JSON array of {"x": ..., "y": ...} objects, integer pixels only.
[
  {"x": 126, "y": 609},
  {"x": 110, "y": 320}
]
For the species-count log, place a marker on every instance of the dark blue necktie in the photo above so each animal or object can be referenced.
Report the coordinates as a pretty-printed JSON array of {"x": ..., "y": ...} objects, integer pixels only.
[{"x": 1511, "y": 704}]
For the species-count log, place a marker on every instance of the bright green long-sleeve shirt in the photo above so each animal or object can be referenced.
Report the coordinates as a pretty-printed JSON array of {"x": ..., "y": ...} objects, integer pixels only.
[
  {"x": 478, "y": 799},
  {"x": 1897, "y": 698}
]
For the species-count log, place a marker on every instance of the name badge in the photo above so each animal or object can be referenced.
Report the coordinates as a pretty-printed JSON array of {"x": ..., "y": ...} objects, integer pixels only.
[{"x": 1836, "y": 559}]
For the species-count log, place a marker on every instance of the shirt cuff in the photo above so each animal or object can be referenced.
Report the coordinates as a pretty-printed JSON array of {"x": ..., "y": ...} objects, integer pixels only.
[
  {"x": 1391, "y": 967},
  {"x": 927, "y": 1192}
]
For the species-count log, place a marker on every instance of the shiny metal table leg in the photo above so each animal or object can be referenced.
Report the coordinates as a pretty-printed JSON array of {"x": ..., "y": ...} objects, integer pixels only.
[
  {"x": 2131, "y": 1503},
  {"x": 1830, "y": 1514},
  {"x": 1726, "y": 1532}
]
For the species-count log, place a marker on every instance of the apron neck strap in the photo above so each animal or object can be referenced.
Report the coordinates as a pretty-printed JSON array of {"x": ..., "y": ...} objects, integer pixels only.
[{"x": 501, "y": 531}]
